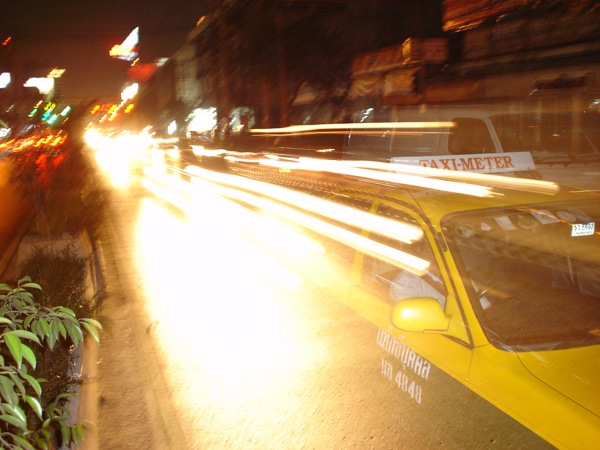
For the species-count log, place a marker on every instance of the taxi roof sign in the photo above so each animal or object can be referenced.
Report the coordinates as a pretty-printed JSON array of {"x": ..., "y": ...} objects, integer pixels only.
[{"x": 481, "y": 162}]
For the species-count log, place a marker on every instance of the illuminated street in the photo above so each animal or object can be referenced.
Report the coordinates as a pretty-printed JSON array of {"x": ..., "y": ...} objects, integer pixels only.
[
  {"x": 281, "y": 224},
  {"x": 227, "y": 328}
]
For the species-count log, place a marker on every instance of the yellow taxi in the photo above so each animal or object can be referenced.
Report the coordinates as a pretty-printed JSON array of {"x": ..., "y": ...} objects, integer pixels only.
[
  {"x": 480, "y": 293},
  {"x": 507, "y": 303}
]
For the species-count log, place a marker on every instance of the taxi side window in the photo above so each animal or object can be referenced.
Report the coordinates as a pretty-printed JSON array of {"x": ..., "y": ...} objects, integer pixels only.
[
  {"x": 337, "y": 250},
  {"x": 391, "y": 283},
  {"x": 469, "y": 136}
]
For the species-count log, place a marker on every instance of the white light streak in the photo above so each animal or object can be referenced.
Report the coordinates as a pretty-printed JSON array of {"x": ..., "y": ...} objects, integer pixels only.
[
  {"x": 347, "y": 126},
  {"x": 395, "y": 178},
  {"x": 255, "y": 195}
]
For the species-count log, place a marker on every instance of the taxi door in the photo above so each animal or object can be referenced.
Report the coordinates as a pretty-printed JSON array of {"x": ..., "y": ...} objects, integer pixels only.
[
  {"x": 450, "y": 352},
  {"x": 419, "y": 379}
]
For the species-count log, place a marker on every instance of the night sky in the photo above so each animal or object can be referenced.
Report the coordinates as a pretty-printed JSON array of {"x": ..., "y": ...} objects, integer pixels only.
[{"x": 77, "y": 35}]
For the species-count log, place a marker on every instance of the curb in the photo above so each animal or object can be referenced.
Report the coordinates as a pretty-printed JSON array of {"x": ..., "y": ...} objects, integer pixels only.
[
  {"x": 84, "y": 406},
  {"x": 87, "y": 395}
]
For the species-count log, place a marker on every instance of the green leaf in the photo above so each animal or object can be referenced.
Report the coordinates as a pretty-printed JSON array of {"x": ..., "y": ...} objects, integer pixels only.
[
  {"x": 23, "y": 335},
  {"x": 25, "y": 297},
  {"x": 35, "y": 405},
  {"x": 25, "y": 444},
  {"x": 31, "y": 286},
  {"x": 67, "y": 311},
  {"x": 17, "y": 379},
  {"x": 91, "y": 330},
  {"x": 15, "y": 410},
  {"x": 93, "y": 322},
  {"x": 75, "y": 332},
  {"x": 29, "y": 356},
  {"x": 27, "y": 322},
  {"x": 66, "y": 433},
  {"x": 7, "y": 389},
  {"x": 44, "y": 432},
  {"x": 65, "y": 396},
  {"x": 14, "y": 421},
  {"x": 33, "y": 382},
  {"x": 54, "y": 333},
  {"x": 44, "y": 326},
  {"x": 14, "y": 346},
  {"x": 6, "y": 321},
  {"x": 42, "y": 444},
  {"x": 78, "y": 433},
  {"x": 61, "y": 329}
]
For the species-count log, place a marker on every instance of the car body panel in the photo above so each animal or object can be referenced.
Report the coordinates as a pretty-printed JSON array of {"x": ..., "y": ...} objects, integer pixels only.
[
  {"x": 502, "y": 379},
  {"x": 566, "y": 370},
  {"x": 553, "y": 393}
]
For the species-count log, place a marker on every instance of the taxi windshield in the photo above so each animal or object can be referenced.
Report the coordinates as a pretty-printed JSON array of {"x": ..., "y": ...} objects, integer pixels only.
[{"x": 533, "y": 273}]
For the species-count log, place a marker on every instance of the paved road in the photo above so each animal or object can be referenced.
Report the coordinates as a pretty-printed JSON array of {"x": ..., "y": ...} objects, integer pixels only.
[{"x": 226, "y": 328}]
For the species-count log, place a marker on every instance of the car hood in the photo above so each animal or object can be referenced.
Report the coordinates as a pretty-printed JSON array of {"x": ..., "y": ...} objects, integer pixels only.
[{"x": 574, "y": 372}]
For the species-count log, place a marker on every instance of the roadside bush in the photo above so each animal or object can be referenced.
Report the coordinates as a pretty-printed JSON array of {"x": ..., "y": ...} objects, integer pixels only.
[
  {"x": 62, "y": 274},
  {"x": 29, "y": 418},
  {"x": 38, "y": 337}
]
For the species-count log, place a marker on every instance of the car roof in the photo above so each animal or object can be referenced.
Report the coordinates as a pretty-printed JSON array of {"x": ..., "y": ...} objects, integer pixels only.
[
  {"x": 480, "y": 192},
  {"x": 427, "y": 113}
]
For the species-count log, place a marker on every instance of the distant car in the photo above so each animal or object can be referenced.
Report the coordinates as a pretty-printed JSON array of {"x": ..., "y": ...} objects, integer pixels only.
[
  {"x": 519, "y": 319},
  {"x": 172, "y": 152}
]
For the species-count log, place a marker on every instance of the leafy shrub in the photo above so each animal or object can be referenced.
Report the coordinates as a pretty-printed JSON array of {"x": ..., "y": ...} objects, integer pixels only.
[
  {"x": 37, "y": 338},
  {"x": 28, "y": 420}
]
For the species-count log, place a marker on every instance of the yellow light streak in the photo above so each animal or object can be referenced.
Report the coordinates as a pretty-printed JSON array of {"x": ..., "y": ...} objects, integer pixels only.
[
  {"x": 489, "y": 180},
  {"x": 207, "y": 179},
  {"x": 186, "y": 197},
  {"x": 346, "y": 126},
  {"x": 361, "y": 219},
  {"x": 502, "y": 181}
]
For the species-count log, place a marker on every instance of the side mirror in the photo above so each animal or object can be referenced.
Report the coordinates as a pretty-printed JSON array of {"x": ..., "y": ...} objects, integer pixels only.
[{"x": 419, "y": 314}]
